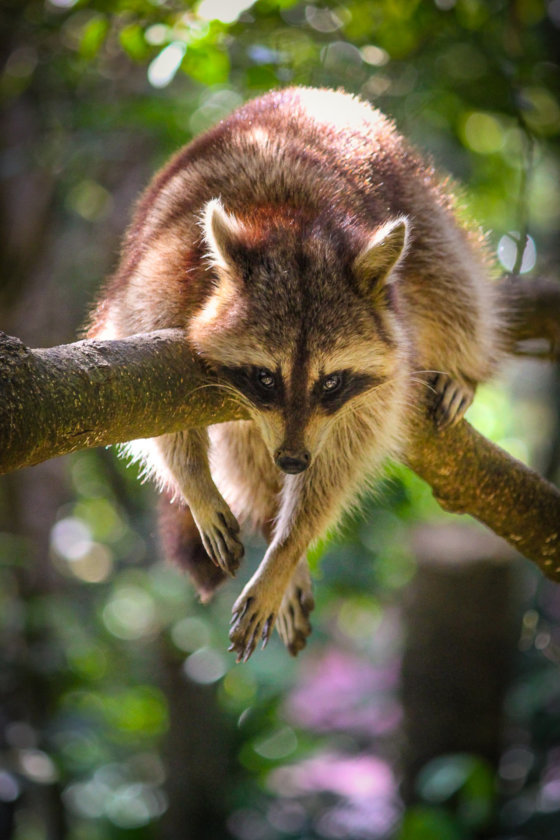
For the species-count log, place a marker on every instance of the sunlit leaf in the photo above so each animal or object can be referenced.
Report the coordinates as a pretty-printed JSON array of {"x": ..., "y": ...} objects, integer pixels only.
[
  {"x": 208, "y": 65},
  {"x": 133, "y": 42},
  {"x": 93, "y": 36},
  {"x": 139, "y": 711}
]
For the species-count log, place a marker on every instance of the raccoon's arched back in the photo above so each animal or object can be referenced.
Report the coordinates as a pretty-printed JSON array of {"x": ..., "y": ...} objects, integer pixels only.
[
  {"x": 300, "y": 147},
  {"x": 315, "y": 160}
]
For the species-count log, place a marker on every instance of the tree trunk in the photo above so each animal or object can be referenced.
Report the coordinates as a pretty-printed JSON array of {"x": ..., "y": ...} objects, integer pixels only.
[
  {"x": 459, "y": 616},
  {"x": 197, "y": 756}
]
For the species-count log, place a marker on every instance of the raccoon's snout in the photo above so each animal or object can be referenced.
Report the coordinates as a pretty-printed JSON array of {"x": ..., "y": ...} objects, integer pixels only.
[{"x": 291, "y": 461}]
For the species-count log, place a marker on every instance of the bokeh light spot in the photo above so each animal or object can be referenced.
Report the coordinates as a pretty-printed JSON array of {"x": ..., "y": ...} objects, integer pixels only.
[
  {"x": 376, "y": 56},
  {"x": 205, "y": 666},
  {"x": 190, "y": 634},
  {"x": 278, "y": 745},
  {"x": 483, "y": 133},
  {"x": 508, "y": 247},
  {"x": 130, "y": 614},
  {"x": 163, "y": 68},
  {"x": 71, "y": 538},
  {"x": 38, "y": 766},
  {"x": 225, "y": 10},
  {"x": 90, "y": 200}
]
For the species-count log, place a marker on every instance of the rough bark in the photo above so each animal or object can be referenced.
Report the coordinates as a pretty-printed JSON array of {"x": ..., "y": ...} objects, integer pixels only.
[
  {"x": 96, "y": 393},
  {"x": 92, "y": 393},
  {"x": 469, "y": 474}
]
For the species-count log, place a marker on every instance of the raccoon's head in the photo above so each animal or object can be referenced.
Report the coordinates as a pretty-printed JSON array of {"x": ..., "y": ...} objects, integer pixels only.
[{"x": 301, "y": 326}]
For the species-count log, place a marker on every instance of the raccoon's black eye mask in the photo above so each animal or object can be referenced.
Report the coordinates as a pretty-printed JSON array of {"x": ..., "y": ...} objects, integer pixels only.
[
  {"x": 333, "y": 390},
  {"x": 265, "y": 388}
]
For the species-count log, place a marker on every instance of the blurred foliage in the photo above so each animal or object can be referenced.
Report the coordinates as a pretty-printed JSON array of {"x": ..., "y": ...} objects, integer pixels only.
[{"x": 95, "y": 96}]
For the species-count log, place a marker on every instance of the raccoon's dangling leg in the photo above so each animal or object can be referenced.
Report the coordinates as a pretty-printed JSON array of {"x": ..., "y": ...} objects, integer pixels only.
[
  {"x": 293, "y": 623},
  {"x": 452, "y": 398},
  {"x": 284, "y": 601},
  {"x": 185, "y": 455},
  {"x": 309, "y": 503},
  {"x": 181, "y": 543},
  {"x": 273, "y": 590}
]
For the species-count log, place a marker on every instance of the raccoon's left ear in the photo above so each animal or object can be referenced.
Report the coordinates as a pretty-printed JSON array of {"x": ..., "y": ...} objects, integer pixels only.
[
  {"x": 222, "y": 232},
  {"x": 374, "y": 264}
]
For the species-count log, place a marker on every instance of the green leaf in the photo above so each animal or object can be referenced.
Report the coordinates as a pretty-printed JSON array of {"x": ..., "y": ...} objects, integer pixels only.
[
  {"x": 421, "y": 823},
  {"x": 135, "y": 712},
  {"x": 261, "y": 78},
  {"x": 208, "y": 65},
  {"x": 267, "y": 6},
  {"x": 93, "y": 36},
  {"x": 133, "y": 42}
]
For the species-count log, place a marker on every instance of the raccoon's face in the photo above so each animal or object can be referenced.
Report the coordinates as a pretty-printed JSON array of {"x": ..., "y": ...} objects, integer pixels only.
[{"x": 298, "y": 334}]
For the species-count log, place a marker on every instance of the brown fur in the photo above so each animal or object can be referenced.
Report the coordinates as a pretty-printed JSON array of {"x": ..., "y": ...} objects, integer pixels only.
[
  {"x": 181, "y": 542},
  {"x": 301, "y": 237}
]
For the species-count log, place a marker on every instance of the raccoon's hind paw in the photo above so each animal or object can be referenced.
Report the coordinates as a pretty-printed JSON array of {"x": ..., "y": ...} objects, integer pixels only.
[
  {"x": 293, "y": 623},
  {"x": 219, "y": 531},
  {"x": 452, "y": 398}
]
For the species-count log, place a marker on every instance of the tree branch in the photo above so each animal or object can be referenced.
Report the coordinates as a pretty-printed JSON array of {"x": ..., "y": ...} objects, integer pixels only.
[
  {"x": 97, "y": 393},
  {"x": 469, "y": 474},
  {"x": 92, "y": 393}
]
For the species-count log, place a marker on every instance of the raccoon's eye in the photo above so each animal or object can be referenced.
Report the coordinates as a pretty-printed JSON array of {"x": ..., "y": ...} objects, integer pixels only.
[
  {"x": 331, "y": 383},
  {"x": 265, "y": 379}
]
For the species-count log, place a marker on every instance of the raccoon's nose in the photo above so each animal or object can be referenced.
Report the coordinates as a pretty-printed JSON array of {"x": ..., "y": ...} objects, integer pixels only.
[{"x": 292, "y": 462}]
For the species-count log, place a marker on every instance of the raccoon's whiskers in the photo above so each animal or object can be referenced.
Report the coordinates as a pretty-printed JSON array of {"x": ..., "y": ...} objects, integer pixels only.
[
  {"x": 351, "y": 405},
  {"x": 237, "y": 396},
  {"x": 422, "y": 381}
]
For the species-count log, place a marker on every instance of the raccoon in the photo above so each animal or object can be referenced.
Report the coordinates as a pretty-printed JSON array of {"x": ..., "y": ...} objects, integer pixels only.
[{"x": 316, "y": 264}]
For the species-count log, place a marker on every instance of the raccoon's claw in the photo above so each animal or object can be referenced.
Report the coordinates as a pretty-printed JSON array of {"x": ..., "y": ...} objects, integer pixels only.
[
  {"x": 452, "y": 398},
  {"x": 249, "y": 625},
  {"x": 238, "y": 613},
  {"x": 219, "y": 532},
  {"x": 293, "y": 623}
]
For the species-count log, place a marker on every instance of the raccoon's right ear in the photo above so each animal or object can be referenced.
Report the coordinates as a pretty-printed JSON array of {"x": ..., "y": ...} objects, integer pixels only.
[
  {"x": 222, "y": 232},
  {"x": 374, "y": 264}
]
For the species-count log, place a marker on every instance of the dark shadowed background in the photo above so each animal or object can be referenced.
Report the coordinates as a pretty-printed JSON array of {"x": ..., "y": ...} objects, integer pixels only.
[{"x": 427, "y": 703}]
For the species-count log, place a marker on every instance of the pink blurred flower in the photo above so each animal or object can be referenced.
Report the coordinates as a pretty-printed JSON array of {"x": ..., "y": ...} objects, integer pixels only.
[{"x": 340, "y": 691}]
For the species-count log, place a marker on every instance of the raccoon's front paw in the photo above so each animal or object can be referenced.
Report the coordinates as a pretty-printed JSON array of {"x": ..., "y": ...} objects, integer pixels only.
[
  {"x": 219, "y": 531},
  {"x": 452, "y": 397},
  {"x": 254, "y": 614},
  {"x": 293, "y": 623}
]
